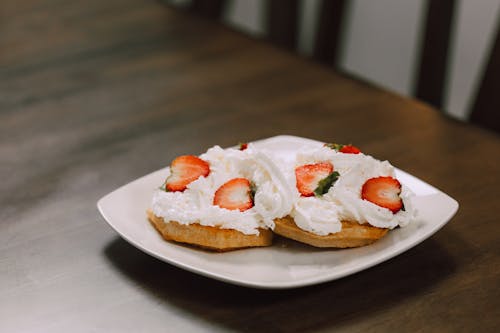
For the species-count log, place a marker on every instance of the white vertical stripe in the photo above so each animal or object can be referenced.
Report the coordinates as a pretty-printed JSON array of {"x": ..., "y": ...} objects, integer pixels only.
[
  {"x": 382, "y": 40},
  {"x": 476, "y": 25},
  {"x": 308, "y": 25},
  {"x": 247, "y": 16}
]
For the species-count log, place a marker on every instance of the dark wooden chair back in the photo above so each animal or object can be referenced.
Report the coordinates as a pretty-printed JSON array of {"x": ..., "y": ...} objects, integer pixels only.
[
  {"x": 282, "y": 30},
  {"x": 486, "y": 108},
  {"x": 434, "y": 51},
  {"x": 209, "y": 8}
]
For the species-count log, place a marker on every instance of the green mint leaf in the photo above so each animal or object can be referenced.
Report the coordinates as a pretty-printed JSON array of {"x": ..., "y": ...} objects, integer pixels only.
[
  {"x": 325, "y": 183},
  {"x": 334, "y": 146}
]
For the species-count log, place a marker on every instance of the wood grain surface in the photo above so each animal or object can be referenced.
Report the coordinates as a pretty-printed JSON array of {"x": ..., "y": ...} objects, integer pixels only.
[{"x": 94, "y": 94}]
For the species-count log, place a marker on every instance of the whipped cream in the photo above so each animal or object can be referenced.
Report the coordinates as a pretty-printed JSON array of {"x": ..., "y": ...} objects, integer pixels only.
[
  {"x": 343, "y": 202},
  {"x": 273, "y": 197}
]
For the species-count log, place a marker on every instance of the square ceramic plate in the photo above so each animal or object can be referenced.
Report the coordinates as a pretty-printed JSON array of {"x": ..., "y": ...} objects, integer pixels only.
[{"x": 286, "y": 264}]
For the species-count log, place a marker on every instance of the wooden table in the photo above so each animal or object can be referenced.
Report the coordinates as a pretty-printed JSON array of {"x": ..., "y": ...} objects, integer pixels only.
[{"x": 96, "y": 93}]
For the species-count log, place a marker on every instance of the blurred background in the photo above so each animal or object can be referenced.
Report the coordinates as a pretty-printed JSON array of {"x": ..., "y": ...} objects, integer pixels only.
[
  {"x": 383, "y": 41},
  {"x": 95, "y": 94}
]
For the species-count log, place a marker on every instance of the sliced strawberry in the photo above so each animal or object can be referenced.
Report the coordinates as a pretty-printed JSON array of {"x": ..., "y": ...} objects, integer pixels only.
[
  {"x": 384, "y": 192},
  {"x": 308, "y": 176},
  {"x": 236, "y": 194},
  {"x": 346, "y": 149},
  {"x": 350, "y": 149},
  {"x": 243, "y": 145},
  {"x": 184, "y": 170}
]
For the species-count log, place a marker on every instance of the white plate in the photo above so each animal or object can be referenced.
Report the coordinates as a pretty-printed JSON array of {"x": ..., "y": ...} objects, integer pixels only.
[{"x": 286, "y": 264}]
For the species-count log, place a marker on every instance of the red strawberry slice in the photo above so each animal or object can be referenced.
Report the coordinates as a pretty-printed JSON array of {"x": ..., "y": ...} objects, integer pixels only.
[
  {"x": 350, "y": 149},
  {"x": 184, "y": 170},
  {"x": 309, "y": 175},
  {"x": 243, "y": 145},
  {"x": 236, "y": 194},
  {"x": 346, "y": 149},
  {"x": 384, "y": 192}
]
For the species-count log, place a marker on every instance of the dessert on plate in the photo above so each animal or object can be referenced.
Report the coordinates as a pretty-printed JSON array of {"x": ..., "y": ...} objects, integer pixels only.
[
  {"x": 327, "y": 195},
  {"x": 224, "y": 199},
  {"x": 343, "y": 198}
]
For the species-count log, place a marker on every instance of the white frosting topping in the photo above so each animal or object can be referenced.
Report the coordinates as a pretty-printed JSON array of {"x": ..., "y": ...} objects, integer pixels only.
[
  {"x": 277, "y": 196},
  {"x": 317, "y": 216},
  {"x": 323, "y": 215},
  {"x": 273, "y": 196}
]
